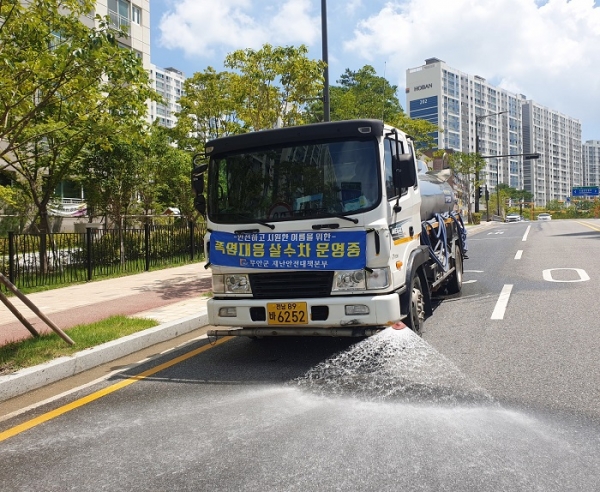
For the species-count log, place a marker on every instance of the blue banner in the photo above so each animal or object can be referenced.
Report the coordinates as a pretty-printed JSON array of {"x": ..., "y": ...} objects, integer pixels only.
[{"x": 337, "y": 250}]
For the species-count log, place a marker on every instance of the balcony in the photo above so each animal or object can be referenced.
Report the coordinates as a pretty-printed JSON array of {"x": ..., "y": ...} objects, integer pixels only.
[{"x": 117, "y": 20}]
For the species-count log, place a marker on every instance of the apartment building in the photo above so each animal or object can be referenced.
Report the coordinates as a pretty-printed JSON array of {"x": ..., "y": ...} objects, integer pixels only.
[
  {"x": 591, "y": 163},
  {"x": 135, "y": 18},
  {"x": 168, "y": 83},
  {"x": 557, "y": 138},
  {"x": 474, "y": 115}
]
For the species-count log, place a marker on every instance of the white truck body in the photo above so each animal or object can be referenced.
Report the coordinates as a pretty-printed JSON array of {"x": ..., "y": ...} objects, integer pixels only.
[{"x": 318, "y": 230}]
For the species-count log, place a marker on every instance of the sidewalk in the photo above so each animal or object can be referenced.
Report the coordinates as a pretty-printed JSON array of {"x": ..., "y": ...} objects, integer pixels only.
[
  {"x": 163, "y": 295},
  {"x": 174, "y": 297}
]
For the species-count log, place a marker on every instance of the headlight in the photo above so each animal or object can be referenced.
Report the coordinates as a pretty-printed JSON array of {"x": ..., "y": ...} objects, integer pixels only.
[
  {"x": 231, "y": 284},
  {"x": 349, "y": 280},
  {"x": 379, "y": 278},
  {"x": 353, "y": 280}
]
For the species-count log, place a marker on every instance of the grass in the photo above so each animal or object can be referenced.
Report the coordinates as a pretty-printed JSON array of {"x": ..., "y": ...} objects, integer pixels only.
[{"x": 34, "y": 351}]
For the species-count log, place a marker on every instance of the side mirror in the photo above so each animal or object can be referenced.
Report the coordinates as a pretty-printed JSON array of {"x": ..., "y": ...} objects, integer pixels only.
[
  {"x": 198, "y": 178},
  {"x": 404, "y": 171},
  {"x": 198, "y": 187},
  {"x": 200, "y": 204}
]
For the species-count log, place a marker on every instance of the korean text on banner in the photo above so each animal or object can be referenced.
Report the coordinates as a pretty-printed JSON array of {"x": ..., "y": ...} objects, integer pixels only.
[{"x": 339, "y": 250}]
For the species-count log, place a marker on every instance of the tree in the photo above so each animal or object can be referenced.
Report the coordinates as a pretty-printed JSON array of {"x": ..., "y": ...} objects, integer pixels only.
[
  {"x": 364, "y": 94},
  {"x": 515, "y": 194},
  {"x": 61, "y": 81},
  {"x": 112, "y": 176},
  {"x": 421, "y": 131},
  {"x": 167, "y": 182},
  {"x": 466, "y": 166},
  {"x": 267, "y": 88},
  {"x": 208, "y": 110},
  {"x": 273, "y": 85}
]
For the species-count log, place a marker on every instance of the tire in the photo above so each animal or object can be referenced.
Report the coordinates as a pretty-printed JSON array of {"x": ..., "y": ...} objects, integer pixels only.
[
  {"x": 416, "y": 305},
  {"x": 454, "y": 285}
]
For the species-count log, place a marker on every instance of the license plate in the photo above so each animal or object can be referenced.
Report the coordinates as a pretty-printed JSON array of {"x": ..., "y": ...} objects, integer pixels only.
[{"x": 287, "y": 313}]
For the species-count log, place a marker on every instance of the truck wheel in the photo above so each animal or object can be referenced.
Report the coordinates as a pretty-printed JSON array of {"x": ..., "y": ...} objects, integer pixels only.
[
  {"x": 454, "y": 285},
  {"x": 416, "y": 306}
]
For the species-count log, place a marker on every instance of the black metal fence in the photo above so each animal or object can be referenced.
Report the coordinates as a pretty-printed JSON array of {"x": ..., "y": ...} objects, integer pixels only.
[{"x": 33, "y": 260}]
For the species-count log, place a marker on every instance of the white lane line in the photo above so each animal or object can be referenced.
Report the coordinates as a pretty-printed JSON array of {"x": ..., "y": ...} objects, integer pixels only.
[
  {"x": 526, "y": 232},
  {"x": 500, "y": 308},
  {"x": 519, "y": 254}
]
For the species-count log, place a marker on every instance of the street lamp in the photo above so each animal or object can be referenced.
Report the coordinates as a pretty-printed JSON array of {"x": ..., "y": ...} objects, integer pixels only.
[
  {"x": 326, "y": 107},
  {"x": 478, "y": 118},
  {"x": 526, "y": 157}
]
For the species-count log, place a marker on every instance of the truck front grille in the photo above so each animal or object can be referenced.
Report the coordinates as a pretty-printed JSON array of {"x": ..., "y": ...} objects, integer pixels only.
[{"x": 288, "y": 285}]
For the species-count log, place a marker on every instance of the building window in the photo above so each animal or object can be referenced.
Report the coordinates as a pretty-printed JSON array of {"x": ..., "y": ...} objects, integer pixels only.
[
  {"x": 136, "y": 15},
  {"x": 119, "y": 12}
]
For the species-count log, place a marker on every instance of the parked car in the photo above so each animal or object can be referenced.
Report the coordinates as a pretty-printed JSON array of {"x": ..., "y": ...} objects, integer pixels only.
[
  {"x": 513, "y": 218},
  {"x": 544, "y": 216}
]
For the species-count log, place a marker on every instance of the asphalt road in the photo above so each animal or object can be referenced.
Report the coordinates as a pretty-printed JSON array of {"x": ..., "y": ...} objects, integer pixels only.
[
  {"x": 500, "y": 394},
  {"x": 543, "y": 351}
]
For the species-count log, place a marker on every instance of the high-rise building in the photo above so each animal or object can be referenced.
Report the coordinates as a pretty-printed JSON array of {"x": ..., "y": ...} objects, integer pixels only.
[
  {"x": 591, "y": 163},
  {"x": 168, "y": 83},
  {"x": 134, "y": 17},
  {"x": 557, "y": 138},
  {"x": 473, "y": 115}
]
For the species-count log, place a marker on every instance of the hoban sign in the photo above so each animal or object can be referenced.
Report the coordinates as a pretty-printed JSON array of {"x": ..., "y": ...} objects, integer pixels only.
[{"x": 422, "y": 87}]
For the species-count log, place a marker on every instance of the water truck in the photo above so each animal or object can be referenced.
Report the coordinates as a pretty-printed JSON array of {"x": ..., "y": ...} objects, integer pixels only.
[{"x": 327, "y": 229}]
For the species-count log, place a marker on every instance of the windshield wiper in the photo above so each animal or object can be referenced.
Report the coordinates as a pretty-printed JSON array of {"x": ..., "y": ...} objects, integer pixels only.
[
  {"x": 253, "y": 220},
  {"x": 338, "y": 216}
]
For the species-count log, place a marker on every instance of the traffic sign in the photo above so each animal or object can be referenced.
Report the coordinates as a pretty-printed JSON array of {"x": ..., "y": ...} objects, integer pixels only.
[{"x": 586, "y": 191}]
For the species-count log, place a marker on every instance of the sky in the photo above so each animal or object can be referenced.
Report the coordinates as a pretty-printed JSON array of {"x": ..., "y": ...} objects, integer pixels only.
[{"x": 548, "y": 50}]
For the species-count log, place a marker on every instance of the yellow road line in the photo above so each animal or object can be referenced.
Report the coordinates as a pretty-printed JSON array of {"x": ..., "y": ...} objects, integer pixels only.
[
  {"x": 103, "y": 392},
  {"x": 589, "y": 225}
]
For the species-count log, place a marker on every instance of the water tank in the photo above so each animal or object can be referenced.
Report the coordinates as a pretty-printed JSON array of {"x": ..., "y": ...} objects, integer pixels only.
[{"x": 437, "y": 196}]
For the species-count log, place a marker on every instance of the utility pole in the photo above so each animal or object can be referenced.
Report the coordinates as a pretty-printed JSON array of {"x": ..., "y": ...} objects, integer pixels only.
[{"x": 478, "y": 118}]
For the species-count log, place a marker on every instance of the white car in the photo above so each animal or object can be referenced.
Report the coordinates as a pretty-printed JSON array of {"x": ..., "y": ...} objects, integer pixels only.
[
  {"x": 544, "y": 216},
  {"x": 513, "y": 218}
]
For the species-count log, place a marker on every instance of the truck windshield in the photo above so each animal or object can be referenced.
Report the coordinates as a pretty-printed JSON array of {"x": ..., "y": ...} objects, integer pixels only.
[{"x": 290, "y": 182}]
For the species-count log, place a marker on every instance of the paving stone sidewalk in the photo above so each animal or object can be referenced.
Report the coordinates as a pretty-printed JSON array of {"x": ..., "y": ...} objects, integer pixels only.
[{"x": 164, "y": 295}]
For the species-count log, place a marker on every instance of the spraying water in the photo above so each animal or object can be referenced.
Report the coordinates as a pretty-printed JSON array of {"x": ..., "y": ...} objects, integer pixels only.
[{"x": 393, "y": 364}]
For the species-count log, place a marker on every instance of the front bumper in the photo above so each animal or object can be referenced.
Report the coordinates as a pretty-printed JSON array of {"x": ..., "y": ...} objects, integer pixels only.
[{"x": 329, "y": 312}]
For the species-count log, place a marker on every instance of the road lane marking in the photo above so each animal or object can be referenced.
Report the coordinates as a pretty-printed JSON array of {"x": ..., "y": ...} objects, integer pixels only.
[
  {"x": 591, "y": 226},
  {"x": 583, "y": 276},
  {"x": 519, "y": 254},
  {"x": 105, "y": 391},
  {"x": 101, "y": 379},
  {"x": 526, "y": 233},
  {"x": 502, "y": 302}
]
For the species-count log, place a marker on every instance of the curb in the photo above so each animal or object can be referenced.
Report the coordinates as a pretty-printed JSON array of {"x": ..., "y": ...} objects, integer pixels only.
[{"x": 31, "y": 378}]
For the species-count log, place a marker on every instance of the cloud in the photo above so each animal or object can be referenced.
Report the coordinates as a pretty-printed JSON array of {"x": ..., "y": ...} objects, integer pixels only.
[
  {"x": 352, "y": 6},
  {"x": 545, "y": 50},
  {"x": 201, "y": 28}
]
